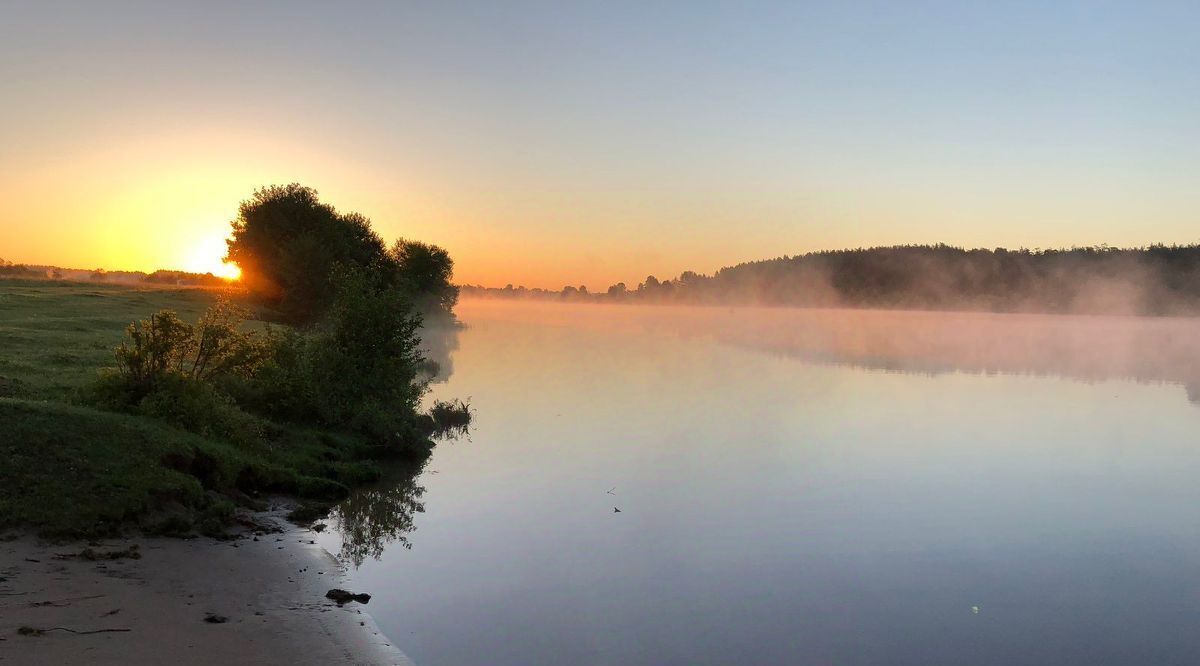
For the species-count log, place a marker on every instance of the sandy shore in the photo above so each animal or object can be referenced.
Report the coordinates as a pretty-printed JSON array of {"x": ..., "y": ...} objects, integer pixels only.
[{"x": 270, "y": 590}]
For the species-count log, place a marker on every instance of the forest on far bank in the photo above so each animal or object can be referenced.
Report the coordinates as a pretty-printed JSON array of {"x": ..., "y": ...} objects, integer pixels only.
[{"x": 1153, "y": 280}]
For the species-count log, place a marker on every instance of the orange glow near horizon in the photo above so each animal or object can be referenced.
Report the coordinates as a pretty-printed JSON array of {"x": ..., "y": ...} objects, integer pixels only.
[
  {"x": 207, "y": 256},
  {"x": 164, "y": 201},
  {"x": 606, "y": 145}
]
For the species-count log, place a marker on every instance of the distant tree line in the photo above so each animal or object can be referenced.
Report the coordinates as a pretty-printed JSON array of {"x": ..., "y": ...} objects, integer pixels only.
[
  {"x": 1158, "y": 280},
  {"x": 186, "y": 279},
  {"x": 11, "y": 270},
  {"x": 163, "y": 277}
]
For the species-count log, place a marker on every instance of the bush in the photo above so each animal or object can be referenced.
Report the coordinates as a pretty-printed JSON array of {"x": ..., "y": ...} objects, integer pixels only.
[
  {"x": 156, "y": 346},
  {"x": 450, "y": 418},
  {"x": 169, "y": 370},
  {"x": 164, "y": 346},
  {"x": 359, "y": 371},
  {"x": 281, "y": 386},
  {"x": 200, "y": 408},
  {"x": 363, "y": 363}
]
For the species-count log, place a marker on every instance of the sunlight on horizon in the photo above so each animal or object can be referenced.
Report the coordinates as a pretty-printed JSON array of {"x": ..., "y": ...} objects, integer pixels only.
[
  {"x": 596, "y": 154},
  {"x": 207, "y": 256}
]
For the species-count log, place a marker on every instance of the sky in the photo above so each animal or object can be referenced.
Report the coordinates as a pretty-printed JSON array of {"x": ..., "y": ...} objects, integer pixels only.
[{"x": 561, "y": 143}]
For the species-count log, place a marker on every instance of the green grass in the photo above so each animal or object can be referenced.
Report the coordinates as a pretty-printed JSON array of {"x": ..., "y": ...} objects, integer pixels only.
[
  {"x": 75, "y": 471},
  {"x": 69, "y": 470},
  {"x": 56, "y": 335}
]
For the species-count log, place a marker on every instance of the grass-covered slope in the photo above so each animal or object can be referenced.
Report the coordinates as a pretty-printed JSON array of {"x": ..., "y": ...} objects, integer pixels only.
[
  {"x": 76, "y": 471},
  {"x": 68, "y": 469}
]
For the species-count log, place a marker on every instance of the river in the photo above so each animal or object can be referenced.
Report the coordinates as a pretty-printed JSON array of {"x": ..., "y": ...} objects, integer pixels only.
[{"x": 682, "y": 485}]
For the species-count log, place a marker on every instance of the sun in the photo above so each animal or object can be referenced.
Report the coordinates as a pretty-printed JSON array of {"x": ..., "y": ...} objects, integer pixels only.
[
  {"x": 229, "y": 271},
  {"x": 207, "y": 256}
]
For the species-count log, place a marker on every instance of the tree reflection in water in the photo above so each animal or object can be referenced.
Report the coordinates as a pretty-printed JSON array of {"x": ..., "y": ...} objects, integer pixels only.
[
  {"x": 375, "y": 517},
  {"x": 438, "y": 344}
]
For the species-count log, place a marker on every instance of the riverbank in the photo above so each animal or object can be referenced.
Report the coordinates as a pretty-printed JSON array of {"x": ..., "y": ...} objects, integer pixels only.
[
  {"x": 84, "y": 462},
  {"x": 269, "y": 588}
]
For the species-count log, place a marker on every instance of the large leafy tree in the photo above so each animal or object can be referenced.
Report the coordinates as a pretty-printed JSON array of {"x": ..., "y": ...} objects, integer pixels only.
[{"x": 286, "y": 241}]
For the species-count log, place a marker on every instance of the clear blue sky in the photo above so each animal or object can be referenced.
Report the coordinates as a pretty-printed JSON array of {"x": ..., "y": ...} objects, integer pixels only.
[{"x": 566, "y": 142}]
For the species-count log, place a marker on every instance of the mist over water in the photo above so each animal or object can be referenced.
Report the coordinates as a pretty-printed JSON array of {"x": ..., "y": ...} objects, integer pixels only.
[
  {"x": 1082, "y": 347},
  {"x": 797, "y": 486}
]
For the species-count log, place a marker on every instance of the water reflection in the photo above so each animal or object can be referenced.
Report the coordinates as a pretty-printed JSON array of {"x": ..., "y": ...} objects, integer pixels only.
[
  {"x": 1074, "y": 347},
  {"x": 862, "y": 516},
  {"x": 438, "y": 344},
  {"x": 1084, "y": 348},
  {"x": 1088, "y": 348},
  {"x": 374, "y": 518},
  {"x": 382, "y": 515}
]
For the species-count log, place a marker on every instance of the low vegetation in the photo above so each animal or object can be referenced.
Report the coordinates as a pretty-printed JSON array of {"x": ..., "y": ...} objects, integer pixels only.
[{"x": 54, "y": 335}]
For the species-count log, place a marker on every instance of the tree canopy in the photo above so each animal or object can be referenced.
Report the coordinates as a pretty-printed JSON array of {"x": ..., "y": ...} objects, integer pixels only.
[{"x": 287, "y": 242}]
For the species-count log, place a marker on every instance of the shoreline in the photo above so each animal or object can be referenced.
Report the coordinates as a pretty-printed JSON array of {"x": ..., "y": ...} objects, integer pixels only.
[{"x": 270, "y": 588}]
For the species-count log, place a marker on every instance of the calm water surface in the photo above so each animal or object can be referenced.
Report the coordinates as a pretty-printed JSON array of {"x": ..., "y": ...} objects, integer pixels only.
[{"x": 797, "y": 487}]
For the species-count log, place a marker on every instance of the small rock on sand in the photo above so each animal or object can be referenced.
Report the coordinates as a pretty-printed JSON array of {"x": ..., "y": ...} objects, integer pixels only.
[{"x": 343, "y": 597}]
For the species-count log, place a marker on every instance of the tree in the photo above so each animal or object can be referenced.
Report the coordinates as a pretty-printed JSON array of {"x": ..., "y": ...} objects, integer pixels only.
[
  {"x": 286, "y": 241},
  {"x": 364, "y": 362},
  {"x": 424, "y": 270}
]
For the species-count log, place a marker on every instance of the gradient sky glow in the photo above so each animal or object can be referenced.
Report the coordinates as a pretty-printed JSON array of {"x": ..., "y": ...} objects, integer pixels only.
[{"x": 567, "y": 142}]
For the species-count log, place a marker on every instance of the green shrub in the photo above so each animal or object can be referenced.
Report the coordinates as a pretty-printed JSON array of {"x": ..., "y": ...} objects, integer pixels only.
[
  {"x": 200, "y": 408},
  {"x": 358, "y": 371},
  {"x": 156, "y": 347},
  {"x": 281, "y": 387},
  {"x": 164, "y": 346}
]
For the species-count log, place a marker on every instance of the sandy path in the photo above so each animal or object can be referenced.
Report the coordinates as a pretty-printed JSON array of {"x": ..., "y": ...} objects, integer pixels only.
[{"x": 271, "y": 590}]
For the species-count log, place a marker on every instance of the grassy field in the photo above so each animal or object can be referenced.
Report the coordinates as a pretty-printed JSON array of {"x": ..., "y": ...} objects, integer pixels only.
[
  {"x": 55, "y": 336},
  {"x": 66, "y": 469}
]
